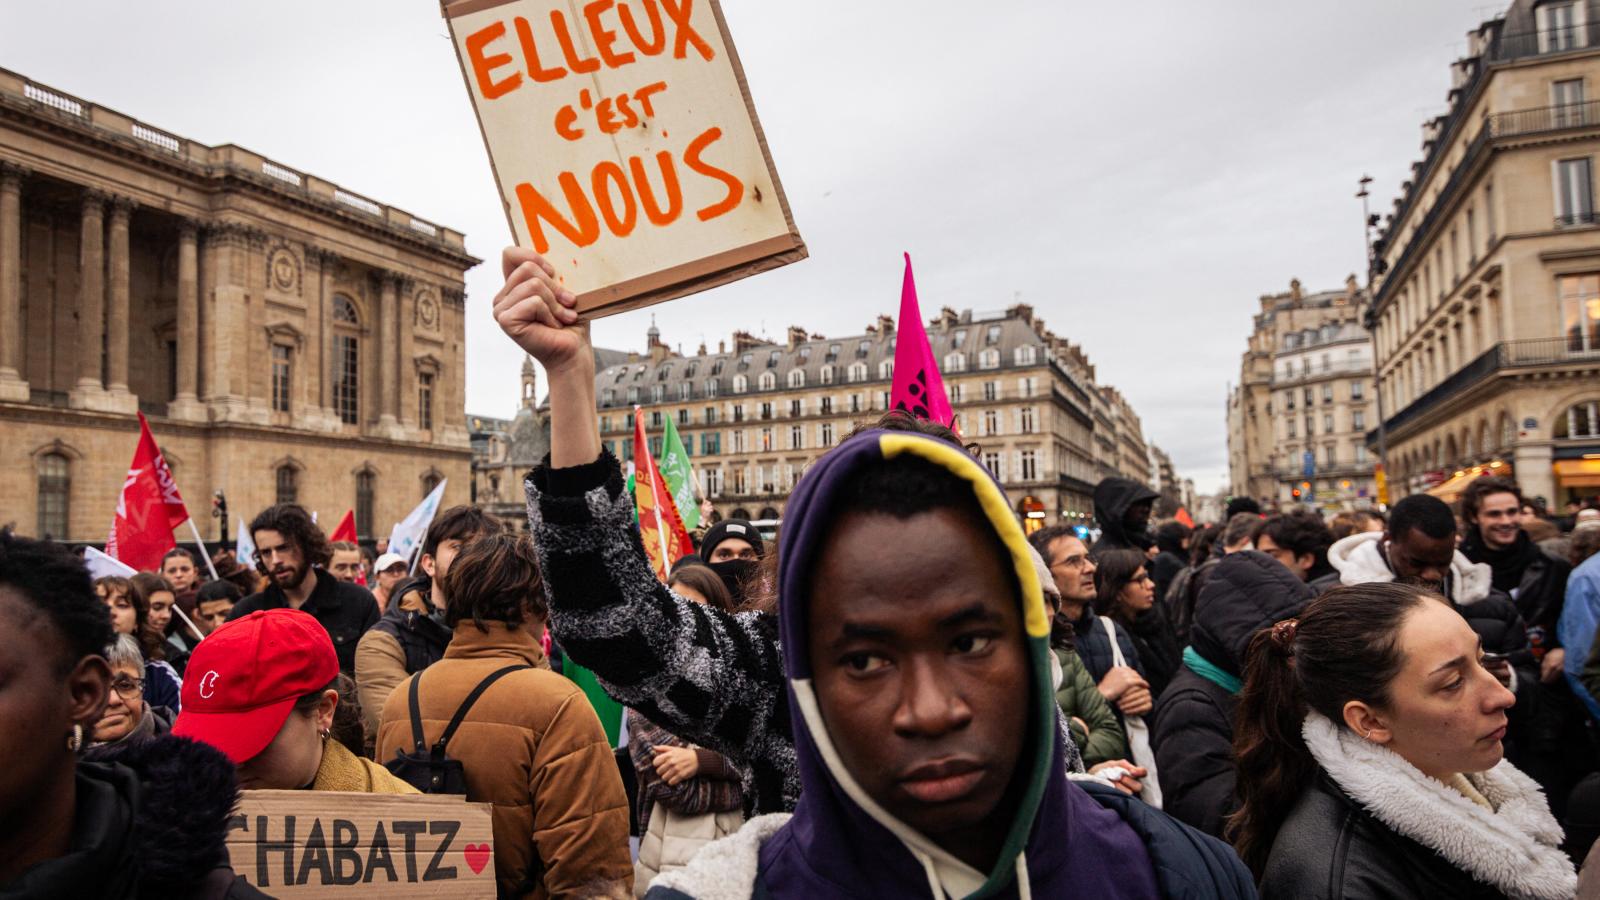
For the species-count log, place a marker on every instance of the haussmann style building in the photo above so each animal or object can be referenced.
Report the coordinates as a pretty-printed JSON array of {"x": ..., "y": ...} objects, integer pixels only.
[
  {"x": 1486, "y": 280},
  {"x": 288, "y": 339}
]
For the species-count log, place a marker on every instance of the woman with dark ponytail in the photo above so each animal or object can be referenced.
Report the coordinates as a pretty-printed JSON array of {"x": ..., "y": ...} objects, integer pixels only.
[{"x": 1370, "y": 764}]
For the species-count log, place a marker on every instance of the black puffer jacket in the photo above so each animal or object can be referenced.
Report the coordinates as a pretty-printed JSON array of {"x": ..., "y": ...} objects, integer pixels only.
[
  {"x": 1089, "y": 636},
  {"x": 1244, "y": 593},
  {"x": 151, "y": 821},
  {"x": 1112, "y": 497},
  {"x": 1329, "y": 848},
  {"x": 1535, "y": 580}
]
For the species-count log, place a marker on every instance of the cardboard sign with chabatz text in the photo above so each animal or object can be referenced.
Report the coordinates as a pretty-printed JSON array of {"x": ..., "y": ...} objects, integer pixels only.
[
  {"x": 625, "y": 144},
  {"x": 336, "y": 844}
]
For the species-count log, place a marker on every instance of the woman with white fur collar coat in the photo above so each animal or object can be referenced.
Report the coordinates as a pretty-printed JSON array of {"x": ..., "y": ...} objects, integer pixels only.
[{"x": 1368, "y": 746}]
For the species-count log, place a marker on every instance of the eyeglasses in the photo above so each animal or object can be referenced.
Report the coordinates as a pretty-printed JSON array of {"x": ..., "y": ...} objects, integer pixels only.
[
  {"x": 128, "y": 688},
  {"x": 1075, "y": 561}
]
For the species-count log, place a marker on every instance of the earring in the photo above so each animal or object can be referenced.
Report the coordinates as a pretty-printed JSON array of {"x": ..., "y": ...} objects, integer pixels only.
[{"x": 75, "y": 738}]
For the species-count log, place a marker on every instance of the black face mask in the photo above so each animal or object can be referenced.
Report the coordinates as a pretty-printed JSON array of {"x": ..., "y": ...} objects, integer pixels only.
[{"x": 735, "y": 573}]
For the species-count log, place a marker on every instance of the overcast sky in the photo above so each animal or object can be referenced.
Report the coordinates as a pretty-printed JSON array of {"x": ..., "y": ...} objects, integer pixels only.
[{"x": 1139, "y": 173}]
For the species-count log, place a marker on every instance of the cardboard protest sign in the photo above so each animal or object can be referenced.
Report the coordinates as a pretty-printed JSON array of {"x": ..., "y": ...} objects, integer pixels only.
[
  {"x": 335, "y": 844},
  {"x": 625, "y": 144}
]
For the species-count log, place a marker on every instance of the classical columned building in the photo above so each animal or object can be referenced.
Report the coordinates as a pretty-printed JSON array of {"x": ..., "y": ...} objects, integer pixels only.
[{"x": 287, "y": 338}]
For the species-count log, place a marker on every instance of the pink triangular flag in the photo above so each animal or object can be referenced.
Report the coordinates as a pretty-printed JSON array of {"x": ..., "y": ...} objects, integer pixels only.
[{"x": 917, "y": 387}]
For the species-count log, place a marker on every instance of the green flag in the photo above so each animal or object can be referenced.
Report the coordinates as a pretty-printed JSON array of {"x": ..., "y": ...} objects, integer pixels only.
[
  {"x": 608, "y": 710},
  {"x": 674, "y": 466}
]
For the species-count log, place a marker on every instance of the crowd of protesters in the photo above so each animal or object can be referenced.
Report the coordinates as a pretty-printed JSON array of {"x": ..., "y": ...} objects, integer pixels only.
[{"x": 903, "y": 695}]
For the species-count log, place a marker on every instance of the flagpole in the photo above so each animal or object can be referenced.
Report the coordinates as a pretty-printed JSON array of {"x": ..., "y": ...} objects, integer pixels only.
[{"x": 202, "y": 545}]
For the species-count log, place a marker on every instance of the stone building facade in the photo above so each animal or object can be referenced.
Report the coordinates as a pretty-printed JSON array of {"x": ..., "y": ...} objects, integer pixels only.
[
  {"x": 288, "y": 339},
  {"x": 755, "y": 414},
  {"x": 1486, "y": 279},
  {"x": 1298, "y": 419}
]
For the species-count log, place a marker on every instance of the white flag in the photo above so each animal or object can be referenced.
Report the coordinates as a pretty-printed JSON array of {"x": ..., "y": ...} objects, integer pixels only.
[
  {"x": 244, "y": 546},
  {"x": 409, "y": 532},
  {"x": 101, "y": 565}
]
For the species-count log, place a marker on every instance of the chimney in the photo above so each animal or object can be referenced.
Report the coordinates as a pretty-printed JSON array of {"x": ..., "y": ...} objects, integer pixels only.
[
  {"x": 797, "y": 336},
  {"x": 1294, "y": 290},
  {"x": 722, "y": 347},
  {"x": 702, "y": 351},
  {"x": 886, "y": 325},
  {"x": 744, "y": 340},
  {"x": 1021, "y": 311}
]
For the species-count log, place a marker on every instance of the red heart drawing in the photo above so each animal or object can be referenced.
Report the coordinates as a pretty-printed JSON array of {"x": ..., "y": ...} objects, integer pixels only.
[{"x": 478, "y": 856}]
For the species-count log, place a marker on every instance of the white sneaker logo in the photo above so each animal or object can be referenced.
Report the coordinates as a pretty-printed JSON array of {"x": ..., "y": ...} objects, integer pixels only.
[{"x": 208, "y": 684}]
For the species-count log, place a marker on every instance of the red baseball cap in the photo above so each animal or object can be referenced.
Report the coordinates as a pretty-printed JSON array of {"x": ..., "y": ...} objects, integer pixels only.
[{"x": 245, "y": 677}]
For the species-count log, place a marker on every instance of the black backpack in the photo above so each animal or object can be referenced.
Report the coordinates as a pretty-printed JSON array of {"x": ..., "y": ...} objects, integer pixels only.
[{"x": 429, "y": 769}]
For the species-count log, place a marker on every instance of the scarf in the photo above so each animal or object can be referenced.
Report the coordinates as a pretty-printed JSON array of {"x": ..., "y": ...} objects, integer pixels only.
[
  {"x": 1511, "y": 842},
  {"x": 1507, "y": 564},
  {"x": 1212, "y": 672}
]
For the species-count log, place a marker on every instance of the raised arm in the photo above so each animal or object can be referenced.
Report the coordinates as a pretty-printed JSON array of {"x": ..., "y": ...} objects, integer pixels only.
[{"x": 709, "y": 677}]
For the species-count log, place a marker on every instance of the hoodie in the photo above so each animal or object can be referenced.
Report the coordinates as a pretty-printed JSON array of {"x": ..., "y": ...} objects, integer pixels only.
[
  {"x": 1062, "y": 839},
  {"x": 1112, "y": 498},
  {"x": 151, "y": 821}
]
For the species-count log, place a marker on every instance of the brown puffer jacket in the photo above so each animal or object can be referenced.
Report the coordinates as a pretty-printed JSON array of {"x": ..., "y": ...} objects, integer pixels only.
[{"x": 533, "y": 747}]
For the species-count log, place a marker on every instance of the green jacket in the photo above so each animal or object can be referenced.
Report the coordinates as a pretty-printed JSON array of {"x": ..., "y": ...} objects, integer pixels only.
[{"x": 1078, "y": 697}]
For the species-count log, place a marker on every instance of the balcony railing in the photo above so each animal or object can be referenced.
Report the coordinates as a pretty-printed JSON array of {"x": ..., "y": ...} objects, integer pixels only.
[
  {"x": 1545, "y": 118},
  {"x": 1574, "y": 220},
  {"x": 1314, "y": 372},
  {"x": 1576, "y": 349},
  {"x": 1544, "y": 42}
]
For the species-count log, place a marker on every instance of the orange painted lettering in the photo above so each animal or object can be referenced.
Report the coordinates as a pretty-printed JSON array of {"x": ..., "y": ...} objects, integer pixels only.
[
  {"x": 564, "y": 124},
  {"x": 658, "y": 37},
  {"x": 574, "y": 62},
  {"x": 530, "y": 52},
  {"x": 647, "y": 195},
  {"x": 680, "y": 16},
  {"x": 583, "y": 231},
  {"x": 643, "y": 96},
  {"x": 604, "y": 37},
  {"x": 691, "y": 158},
  {"x": 482, "y": 65},
  {"x": 604, "y": 175}
]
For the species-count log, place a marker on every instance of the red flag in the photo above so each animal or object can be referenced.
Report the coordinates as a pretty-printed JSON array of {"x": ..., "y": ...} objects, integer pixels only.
[
  {"x": 148, "y": 509},
  {"x": 665, "y": 539},
  {"x": 1183, "y": 518},
  {"x": 917, "y": 387},
  {"x": 347, "y": 528}
]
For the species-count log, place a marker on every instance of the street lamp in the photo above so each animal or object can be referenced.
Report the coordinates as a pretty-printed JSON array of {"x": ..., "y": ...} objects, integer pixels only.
[{"x": 1370, "y": 319}]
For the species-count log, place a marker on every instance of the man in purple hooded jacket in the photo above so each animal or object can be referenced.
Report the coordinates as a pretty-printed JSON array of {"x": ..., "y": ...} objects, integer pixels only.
[{"x": 908, "y": 675}]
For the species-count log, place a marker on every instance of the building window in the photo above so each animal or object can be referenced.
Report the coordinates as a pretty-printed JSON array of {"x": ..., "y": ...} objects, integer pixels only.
[
  {"x": 855, "y": 403},
  {"x": 1567, "y": 98},
  {"x": 288, "y": 484},
  {"x": 863, "y": 349},
  {"x": 55, "y": 490},
  {"x": 992, "y": 336},
  {"x": 1310, "y": 396},
  {"x": 347, "y": 378},
  {"x": 633, "y": 395},
  {"x": 1574, "y": 192},
  {"x": 741, "y": 384},
  {"x": 1027, "y": 420},
  {"x": 1580, "y": 311},
  {"x": 1358, "y": 390},
  {"x": 768, "y": 381},
  {"x": 886, "y": 369},
  {"x": 1581, "y": 421},
  {"x": 685, "y": 391},
  {"x": 1311, "y": 425},
  {"x": 1330, "y": 455},
  {"x": 955, "y": 362},
  {"x": 658, "y": 393},
  {"x": 826, "y": 374},
  {"x": 1026, "y": 355},
  {"x": 365, "y": 491},
  {"x": 796, "y": 408},
  {"x": 683, "y": 417},
  {"x": 736, "y": 441},
  {"x": 429, "y": 482},
  {"x": 989, "y": 359},
  {"x": 991, "y": 391},
  {"x": 1025, "y": 385},
  {"x": 797, "y": 437},
  {"x": 425, "y": 401},
  {"x": 1327, "y": 423},
  {"x": 738, "y": 412},
  {"x": 833, "y": 353},
  {"x": 711, "y": 415},
  {"x": 827, "y": 434},
  {"x": 766, "y": 410},
  {"x": 1292, "y": 427},
  {"x": 766, "y": 439},
  {"x": 1327, "y": 393},
  {"x": 991, "y": 422},
  {"x": 1358, "y": 420},
  {"x": 827, "y": 406},
  {"x": 858, "y": 372},
  {"x": 797, "y": 378},
  {"x": 713, "y": 482},
  {"x": 280, "y": 378},
  {"x": 955, "y": 394},
  {"x": 1558, "y": 27},
  {"x": 711, "y": 443},
  {"x": 991, "y": 461},
  {"x": 1030, "y": 465},
  {"x": 655, "y": 418}
]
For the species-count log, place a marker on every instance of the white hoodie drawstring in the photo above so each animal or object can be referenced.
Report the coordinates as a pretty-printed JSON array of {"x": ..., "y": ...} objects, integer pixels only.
[{"x": 1024, "y": 888}]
